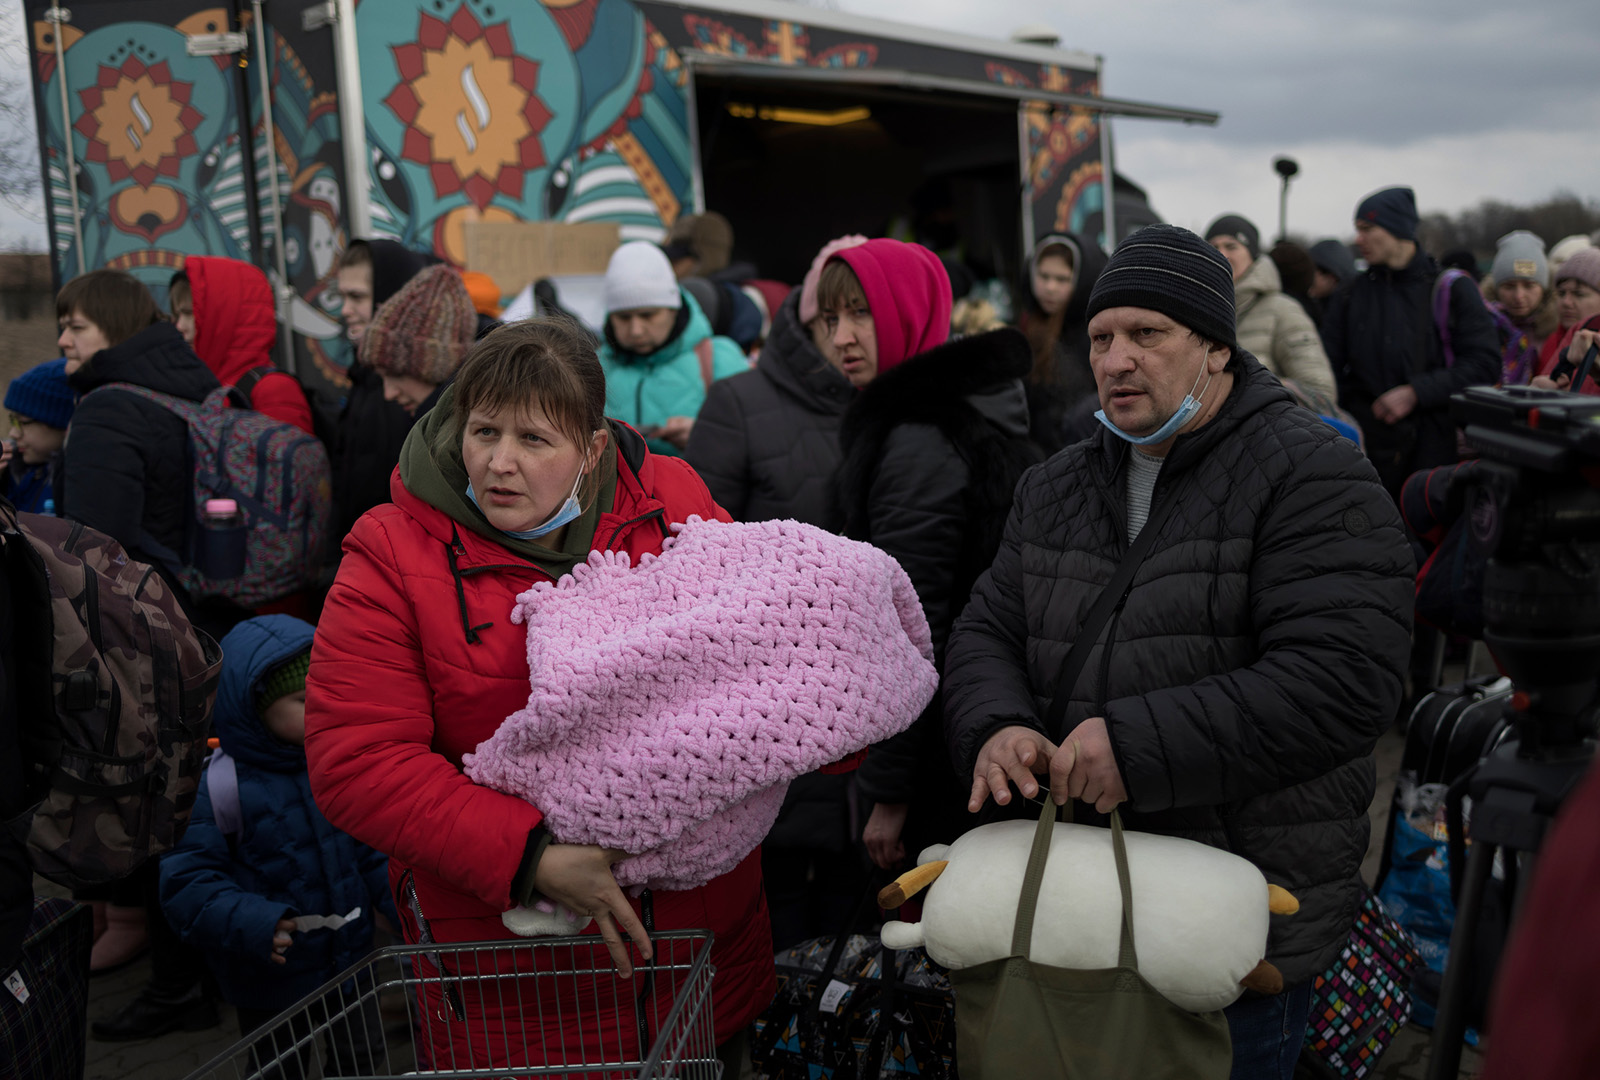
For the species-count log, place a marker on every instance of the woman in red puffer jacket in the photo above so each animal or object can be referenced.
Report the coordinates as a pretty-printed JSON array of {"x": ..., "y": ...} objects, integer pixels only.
[{"x": 513, "y": 478}]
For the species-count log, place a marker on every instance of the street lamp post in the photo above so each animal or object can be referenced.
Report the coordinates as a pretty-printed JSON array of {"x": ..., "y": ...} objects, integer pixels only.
[{"x": 1285, "y": 167}]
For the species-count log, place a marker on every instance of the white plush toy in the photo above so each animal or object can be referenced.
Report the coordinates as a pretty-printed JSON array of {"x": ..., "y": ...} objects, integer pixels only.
[{"x": 1199, "y": 914}]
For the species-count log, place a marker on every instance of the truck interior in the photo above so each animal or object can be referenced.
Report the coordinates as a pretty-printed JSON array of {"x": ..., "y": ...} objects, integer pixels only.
[{"x": 794, "y": 164}]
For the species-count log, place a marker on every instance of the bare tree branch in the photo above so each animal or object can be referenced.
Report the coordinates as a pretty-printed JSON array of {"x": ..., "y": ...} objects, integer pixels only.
[{"x": 19, "y": 150}]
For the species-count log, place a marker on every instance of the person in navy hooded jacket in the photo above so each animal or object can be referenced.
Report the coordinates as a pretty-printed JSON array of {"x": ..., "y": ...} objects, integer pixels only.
[{"x": 259, "y": 860}]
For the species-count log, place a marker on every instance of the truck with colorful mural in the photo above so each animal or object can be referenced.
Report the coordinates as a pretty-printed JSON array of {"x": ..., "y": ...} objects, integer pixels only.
[{"x": 411, "y": 119}]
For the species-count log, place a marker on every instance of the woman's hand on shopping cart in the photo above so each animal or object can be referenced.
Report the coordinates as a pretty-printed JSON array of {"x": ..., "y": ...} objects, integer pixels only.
[
  {"x": 579, "y": 876},
  {"x": 282, "y": 938}
]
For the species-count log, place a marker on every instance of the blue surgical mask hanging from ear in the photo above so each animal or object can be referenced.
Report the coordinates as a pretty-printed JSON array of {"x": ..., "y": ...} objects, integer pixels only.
[
  {"x": 568, "y": 513},
  {"x": 1186, "y": 412}
]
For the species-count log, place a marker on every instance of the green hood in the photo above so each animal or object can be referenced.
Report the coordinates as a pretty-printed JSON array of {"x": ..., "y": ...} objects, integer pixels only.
[{"x": 431, "y": 469}]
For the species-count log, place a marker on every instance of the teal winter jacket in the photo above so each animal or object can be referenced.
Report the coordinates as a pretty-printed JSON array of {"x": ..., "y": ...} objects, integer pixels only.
[{"x": 647, "y": 391}]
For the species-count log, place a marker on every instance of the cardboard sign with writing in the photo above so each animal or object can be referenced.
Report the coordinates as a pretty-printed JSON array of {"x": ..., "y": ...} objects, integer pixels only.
[{"x": 515, "y": 253}]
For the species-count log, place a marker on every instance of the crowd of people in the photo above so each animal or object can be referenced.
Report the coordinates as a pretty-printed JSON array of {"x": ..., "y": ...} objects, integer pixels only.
[{"x": 1256, "y": 410}]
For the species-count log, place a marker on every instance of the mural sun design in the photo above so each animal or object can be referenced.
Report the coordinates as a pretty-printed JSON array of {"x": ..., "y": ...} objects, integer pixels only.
[
  {"x": 469, "y": 105},
  {"x": 138, "y": 121}
]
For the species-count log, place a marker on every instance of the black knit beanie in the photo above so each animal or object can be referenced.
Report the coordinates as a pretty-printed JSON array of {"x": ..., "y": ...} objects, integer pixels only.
[
  {"x": 1240, "y": 229},
  {"x": 1173, "y": 271},
  {"x": 1393, "y": 209}
]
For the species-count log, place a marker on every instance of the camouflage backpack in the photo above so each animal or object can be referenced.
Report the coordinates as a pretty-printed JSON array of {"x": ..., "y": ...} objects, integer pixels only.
[
  {"x": 281, "y": 480},
  {"x": 115, "y": 754}
]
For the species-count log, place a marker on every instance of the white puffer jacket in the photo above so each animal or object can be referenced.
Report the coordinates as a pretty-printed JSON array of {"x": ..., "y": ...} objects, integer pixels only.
[{"x": 1277, "y": 331}]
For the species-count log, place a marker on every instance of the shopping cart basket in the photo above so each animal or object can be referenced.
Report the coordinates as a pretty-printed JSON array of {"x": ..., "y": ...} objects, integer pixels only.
[{"x": 552, "y": 1007}]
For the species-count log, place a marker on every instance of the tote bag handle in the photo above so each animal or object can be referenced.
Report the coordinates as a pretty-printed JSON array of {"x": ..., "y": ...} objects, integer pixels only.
[{"x": 1027, "y": 906}]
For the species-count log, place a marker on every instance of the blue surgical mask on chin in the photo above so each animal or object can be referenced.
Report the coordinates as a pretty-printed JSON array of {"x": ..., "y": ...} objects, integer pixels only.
[
  {"x": 1186, "y": 412},
  {"x": 568, "y": 513}
]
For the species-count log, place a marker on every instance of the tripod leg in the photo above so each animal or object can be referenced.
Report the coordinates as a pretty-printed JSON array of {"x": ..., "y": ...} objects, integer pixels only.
[{"x": 1451, "y": 1024}]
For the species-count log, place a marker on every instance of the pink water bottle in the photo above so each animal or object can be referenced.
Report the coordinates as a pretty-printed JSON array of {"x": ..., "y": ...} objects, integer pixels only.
[{"x": 220, "y": 554}]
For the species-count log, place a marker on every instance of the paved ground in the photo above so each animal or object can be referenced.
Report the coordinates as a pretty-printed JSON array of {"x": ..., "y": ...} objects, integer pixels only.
[{"x": 176, "y": 1056}]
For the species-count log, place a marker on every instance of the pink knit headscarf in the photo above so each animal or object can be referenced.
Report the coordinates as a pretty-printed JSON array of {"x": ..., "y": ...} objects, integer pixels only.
[
  {"x": 909, "y": 294},
  {"x": 808, "y": 287}
]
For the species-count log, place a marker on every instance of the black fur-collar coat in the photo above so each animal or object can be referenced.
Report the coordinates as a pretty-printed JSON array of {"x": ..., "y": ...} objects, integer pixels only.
[{"x": 932, "y": 450}]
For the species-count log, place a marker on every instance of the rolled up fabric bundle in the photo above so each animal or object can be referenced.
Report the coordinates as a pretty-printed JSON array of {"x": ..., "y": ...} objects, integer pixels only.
[{"x": 673, "y": 702}]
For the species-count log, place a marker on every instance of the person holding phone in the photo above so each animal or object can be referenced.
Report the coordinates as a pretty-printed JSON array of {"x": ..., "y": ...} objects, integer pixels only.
[
  {"x": 1578, "y": 305},
  {"x": 40, "y": 405}
]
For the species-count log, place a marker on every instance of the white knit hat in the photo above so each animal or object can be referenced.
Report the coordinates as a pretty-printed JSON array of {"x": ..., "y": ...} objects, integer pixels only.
[{"x": 640, "y": 276}]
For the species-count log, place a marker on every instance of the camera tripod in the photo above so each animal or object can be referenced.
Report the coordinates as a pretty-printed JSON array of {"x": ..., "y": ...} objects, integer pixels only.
[{"x": 1514, "y": 800}]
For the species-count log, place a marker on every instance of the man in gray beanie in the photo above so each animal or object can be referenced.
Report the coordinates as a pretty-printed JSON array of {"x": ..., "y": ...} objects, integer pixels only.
[
  {"x": 1231, "y": 692},
  {"x": 1382, "y": 335}
]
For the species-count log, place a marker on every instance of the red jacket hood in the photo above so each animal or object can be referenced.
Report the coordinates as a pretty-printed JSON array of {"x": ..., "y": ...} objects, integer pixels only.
[
  {"x": 908, "y": 292},
  {"x": 235, "y": 320}
]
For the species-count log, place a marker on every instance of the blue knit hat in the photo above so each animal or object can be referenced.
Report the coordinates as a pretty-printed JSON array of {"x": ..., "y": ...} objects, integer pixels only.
[
  {"x": 41, "y": 393},
  {"x": 1393, "y": 209},
  {"x": 1173, "y": 271}
]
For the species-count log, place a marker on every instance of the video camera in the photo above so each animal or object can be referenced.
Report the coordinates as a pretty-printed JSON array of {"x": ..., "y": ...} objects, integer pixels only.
[
  {"x": 1533, "y": 504},
  {"x": 1534, "y": 510}
]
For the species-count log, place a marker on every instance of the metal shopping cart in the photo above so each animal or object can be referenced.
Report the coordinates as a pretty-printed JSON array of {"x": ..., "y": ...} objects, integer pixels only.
[{"x": 552, "y": 1007}]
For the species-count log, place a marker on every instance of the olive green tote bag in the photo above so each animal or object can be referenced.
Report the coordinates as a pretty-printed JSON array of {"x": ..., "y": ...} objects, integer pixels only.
[{"x": 1018, "y": 1020}]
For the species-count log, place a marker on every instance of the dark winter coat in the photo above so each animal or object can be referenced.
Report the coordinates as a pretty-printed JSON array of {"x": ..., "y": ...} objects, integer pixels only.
[
  {"x": 126, "y": 468},
  {"x": 31, "y": 487},
  {"x": 767, "y": 441},
  {"x": 371, "y": 430},
  {"x": 1052, "y": 401},
  {"x": 1253, "y": 666},
  {"x": 1379, "y": 333},
  {"x": 932, "y": 451},
  {"x": 225, "y": 894}
]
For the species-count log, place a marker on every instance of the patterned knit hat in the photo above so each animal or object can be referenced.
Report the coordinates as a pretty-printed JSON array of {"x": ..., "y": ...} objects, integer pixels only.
[
  {"x": 41, "y": 393},
  {"x": 424, "y": 330},
  {"x": 287, "y": 678},
  {"x": 1173, "y": 271}
]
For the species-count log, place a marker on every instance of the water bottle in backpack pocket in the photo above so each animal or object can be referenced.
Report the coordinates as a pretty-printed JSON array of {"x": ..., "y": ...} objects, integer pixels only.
[
  {"x": 222, "y": 545},
  {"x": 280, "y": 484}
]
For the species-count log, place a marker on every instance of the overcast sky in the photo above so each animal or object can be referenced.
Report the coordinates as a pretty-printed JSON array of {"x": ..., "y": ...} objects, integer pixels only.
[{"x": 1462, "y": 99}]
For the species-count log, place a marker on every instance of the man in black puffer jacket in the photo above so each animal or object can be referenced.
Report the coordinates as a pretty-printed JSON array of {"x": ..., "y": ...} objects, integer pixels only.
[{"x": 1235, "y": 696}]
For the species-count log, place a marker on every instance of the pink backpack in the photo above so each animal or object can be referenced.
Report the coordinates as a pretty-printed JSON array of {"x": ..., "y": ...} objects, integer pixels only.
[{"x": 281, "y": 481}]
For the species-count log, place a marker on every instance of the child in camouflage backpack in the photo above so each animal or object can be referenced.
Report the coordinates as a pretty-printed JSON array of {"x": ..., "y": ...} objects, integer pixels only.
[{"x": 278, "y": 898}]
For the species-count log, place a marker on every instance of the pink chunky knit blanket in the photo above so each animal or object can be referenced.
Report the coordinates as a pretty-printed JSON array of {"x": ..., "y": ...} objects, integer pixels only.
[{"x": 673, "y": 702}]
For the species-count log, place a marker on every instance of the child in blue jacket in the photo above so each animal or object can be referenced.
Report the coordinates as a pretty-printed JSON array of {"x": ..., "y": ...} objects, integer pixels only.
[
  {"x": 39, "y": 403},
  {"x": 260, "y": 870}
]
